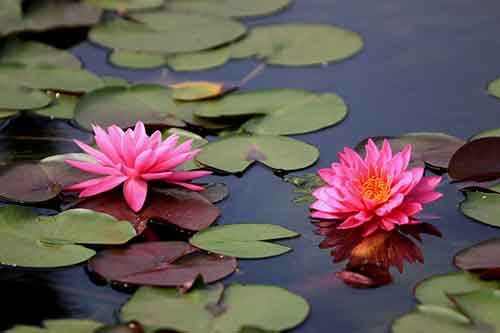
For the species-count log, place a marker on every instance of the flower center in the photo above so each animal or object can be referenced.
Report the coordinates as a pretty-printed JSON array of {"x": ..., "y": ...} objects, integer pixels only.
[{"x": 376, "y": 189}]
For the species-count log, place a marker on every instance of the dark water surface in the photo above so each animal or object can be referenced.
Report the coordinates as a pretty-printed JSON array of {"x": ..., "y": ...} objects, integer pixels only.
[{"x": 425, "y": 67}]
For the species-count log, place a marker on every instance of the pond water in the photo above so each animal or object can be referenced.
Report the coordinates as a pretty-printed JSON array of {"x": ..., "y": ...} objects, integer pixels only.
[{"x": 425, "y": 67}]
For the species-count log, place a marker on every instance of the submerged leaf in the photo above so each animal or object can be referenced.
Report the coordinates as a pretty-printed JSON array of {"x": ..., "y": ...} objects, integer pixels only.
[
  {"x": 243, "y": 240},
  {"x": 186, "y": 209},
  {"x": 164, "y": 264},
  {"x": 235, "y": 154},
  {"x": 51, "y": 241}
]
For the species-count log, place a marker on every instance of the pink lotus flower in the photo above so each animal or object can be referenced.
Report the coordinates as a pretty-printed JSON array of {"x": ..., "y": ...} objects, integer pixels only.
[
  {"x": 133, "y": 158},
  {"x": 377, "y": 192}
]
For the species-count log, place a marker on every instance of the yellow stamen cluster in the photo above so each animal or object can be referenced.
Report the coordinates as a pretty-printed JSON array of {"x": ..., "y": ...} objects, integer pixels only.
[{"x": 376, "y": 188}]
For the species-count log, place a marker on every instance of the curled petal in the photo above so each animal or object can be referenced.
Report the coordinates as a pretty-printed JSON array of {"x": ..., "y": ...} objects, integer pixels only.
[
  {"x": 135, "y": 191},
  {"x": 105, "y": 184}
]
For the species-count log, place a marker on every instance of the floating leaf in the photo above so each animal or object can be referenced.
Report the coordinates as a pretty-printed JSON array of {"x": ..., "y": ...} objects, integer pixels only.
[
  {"x": 235, "y": 8},
  {"x": 136, "y": 60},
  {"x": 487, "y": 134},
  {"x": 34, "y": 54},
  {"x": 494, "y": 88},
  {"x": 477, "y": 160},
  {"x": 266, "y": 307},
  {"x": 125, "y": 5},
  {"x": 251, "y": 103},
  {"x": 482, "y": 256},
  {"x": 165, "y": 33},
  {"x": 482, "y": 207},
  {"x": 163, "y": 264},
  {"x": 21, "y": 98},
  {"x": 49, "y": 78},
  {"x": 186, "y": 209},
  {"x": 200, "y": 60},
  {"x": 59, "y": 326},
  {"x": 235, "y": 154},
  {"x": 435, "y": 149},
  {"x": 110, "y": 81},
  {"x": 215, "y": 192},
  {"x": 435, "y": 290},
  {"x": 124, "y": 106},
  {"x": 311, "y": 114},
  {"x": 42, "y": 15},
  {"x": 199, "y": 90},
  {"x": 435, "y": 319},
  {"x": 481, "y": 306},
  {"x": 243, "y": 240},
  {"x": 51, "y": 241},
  {"x": 62, "y": 107},
  {"x": 298, "y": 44}
]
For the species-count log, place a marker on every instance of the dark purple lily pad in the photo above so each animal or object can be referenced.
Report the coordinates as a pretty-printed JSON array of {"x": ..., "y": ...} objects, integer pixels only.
[
  {"x": 165, "y": 264},
  {"x": 485, "y": 255},
  {"x": 186, "y": 209},
  {"x": 477, "y": 160}
]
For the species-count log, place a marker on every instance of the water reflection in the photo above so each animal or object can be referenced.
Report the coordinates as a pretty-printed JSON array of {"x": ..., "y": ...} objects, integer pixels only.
[{"x": 369, "y": 259}]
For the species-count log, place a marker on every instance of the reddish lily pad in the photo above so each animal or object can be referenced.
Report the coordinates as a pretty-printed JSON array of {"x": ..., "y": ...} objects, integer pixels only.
[
  {"x": 477, "y": 160},
  {"x": 434, "y": 149},
  {"x": 162, "y": 264},
  {"x": 483, "y": 257},
  {"x": 186, "y": 209}
]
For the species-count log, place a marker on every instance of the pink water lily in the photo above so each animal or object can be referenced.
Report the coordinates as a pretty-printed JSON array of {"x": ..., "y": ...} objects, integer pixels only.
[
  {"x": 377, "y": 192},
  {"x": 133, "y": 158}
]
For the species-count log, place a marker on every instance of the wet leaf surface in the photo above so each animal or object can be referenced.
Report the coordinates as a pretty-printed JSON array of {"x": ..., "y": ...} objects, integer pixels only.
[
  {"x": 298, "y": 44},
  {"x": 235, "y": 8},
  {"x": 235, "y": 154},
  {"x": 243, "y": 306},
  {"x": 199, "y": 90},
  {"x": 477, "y": 160},
  {"x": 186, "y": 209},
  {"x": 51, "y": 241},
  {"x": 162, "y": 264},
  {"x": 124, "y": 106},
  {"x": 247, "y": 241},
  {"x": 482, "y": 207}
]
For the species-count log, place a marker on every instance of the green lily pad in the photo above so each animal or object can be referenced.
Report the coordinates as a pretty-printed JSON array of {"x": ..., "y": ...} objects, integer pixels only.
[
  {"x": 214, "y": 309},
  {"x": 486, "y": 134},
  {"x": 111, "y": 81},
  {"x": 51, "y": 241},
  {"x": 482, "y": 306},
  {"x": 298, "y": 44},
  {"x": 237, "y": 153},
  {"x": 14, "y": 97},
  {"x": 434, "y": 290},
  {"x": 34, "y": 53},
  {"x": 304, "y": 186},
  {"x": 124, "y": 106},
  {"x": 42, "y": 15},
  {"x": 166, "y": 33},
  {"x": 196, "y": 61},
  {"x": 482, "y": 207},
  {"x": 234, "y": 8},
  {"x": 311, "y": 114},
  {"x": 125, "y": 5},
  {"x": 136, "y": 60},
  {"x": 435, "y": 319},
  {"x": 62, "y": 107},
  {"x": 494, "y": 88},
  {"x": 243, "y": 240},
  {"x": 59, "y": 326},
  {"x": 49, "y": 77},
  {"x": 259, "y": 102},
  {"x": 191, "y": 91}
]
